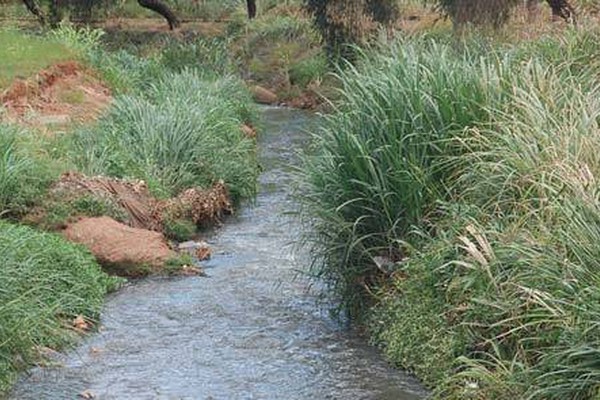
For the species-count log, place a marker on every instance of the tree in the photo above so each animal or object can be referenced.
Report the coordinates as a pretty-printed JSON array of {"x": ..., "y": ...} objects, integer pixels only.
[
  {"x": 157, "y": 6},
  {"x": 562, "y": 9},
  {"x": 161, "y": 8},
  {"x": 35, "y": 10},
  {"x": 346, "y": 22},
  {"x": 497, "y": 12},
  {"x": 251, "y": 4}
]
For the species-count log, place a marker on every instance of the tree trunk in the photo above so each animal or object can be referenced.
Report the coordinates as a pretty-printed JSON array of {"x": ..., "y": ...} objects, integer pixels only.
[
  {"x": 251, "y": 8},
  {"x": 161, "y": 8},
  {"x": 532, "y": 9},
  {"x": 35, "y": 10},
  {"x": 562, "y": 9}
]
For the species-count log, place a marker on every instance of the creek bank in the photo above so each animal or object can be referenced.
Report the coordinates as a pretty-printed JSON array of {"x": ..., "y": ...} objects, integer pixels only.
[
  {"x": 179, "y": 142},
  {"x": 121, "y": 249},
  {"x": 123, "y": 224}
]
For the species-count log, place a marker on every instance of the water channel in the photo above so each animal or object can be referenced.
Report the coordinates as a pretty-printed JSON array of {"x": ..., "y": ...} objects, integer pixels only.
[{"x": 249, "y": 330}]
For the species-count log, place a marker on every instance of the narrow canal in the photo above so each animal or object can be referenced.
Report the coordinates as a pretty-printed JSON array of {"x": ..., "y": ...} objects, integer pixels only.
[{"x": 250, "y": 330}]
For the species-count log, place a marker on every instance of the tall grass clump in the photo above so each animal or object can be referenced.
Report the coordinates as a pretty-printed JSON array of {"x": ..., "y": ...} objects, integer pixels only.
[
  {"x": 377, "y": 172},
  {"x": 465, "y": 210},
  {"x": 184, "y": 131},
  {"x": 45, "y": 282}
]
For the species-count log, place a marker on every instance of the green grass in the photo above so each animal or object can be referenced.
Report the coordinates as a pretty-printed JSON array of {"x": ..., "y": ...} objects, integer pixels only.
[
  {"x": 23, "y": 55},
  {"x": 184, "y": 131},
  {"x": 25, "y": 171},
  {"x": 44, "y": 283},
  {"x": 471, "y": 169}
]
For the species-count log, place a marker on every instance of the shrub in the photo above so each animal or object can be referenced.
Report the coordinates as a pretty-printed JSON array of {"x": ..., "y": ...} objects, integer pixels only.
[
  {"x": 377, "y": 170},
  {"x": 45, "y": 282},
  {"x": 345, "y": 23},
  {"x": 479, "y": 12}
]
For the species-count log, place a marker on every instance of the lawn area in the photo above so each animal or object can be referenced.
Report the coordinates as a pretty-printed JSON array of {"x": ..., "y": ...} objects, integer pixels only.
[{"x": 23, "y": 55}]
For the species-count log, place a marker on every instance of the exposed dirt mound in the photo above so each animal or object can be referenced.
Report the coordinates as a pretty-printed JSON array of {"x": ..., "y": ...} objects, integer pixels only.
[
  {"x": 140, "y": 208},
  {"x": 121, "y": 249},
  {"x": 64, "y": 93}
]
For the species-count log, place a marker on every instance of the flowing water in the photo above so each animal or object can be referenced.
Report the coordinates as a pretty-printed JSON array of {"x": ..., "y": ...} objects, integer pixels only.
[{"x": 250, "y": 330}]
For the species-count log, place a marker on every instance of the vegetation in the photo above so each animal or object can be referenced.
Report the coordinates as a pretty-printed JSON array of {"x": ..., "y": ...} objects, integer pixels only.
[
  {"x": 45, "y": 283},
  {"x": 184, "y": 131},
  {"x": 24, "y": 178},
  {"x": 24, "y": 55},
  {"x": 175, "y": 122},
  {"x": 343, "y": 23},
  {"x": 451, "y": 204},
  {"x": 450, "y": 199}
]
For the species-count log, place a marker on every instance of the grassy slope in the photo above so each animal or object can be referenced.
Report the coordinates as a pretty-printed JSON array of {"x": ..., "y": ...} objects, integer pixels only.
[
  {"x": 23, "y": 55},
  {"x": 44, "y": 281}
]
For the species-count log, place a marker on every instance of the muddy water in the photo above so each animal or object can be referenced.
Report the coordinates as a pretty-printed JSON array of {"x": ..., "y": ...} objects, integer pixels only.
[{"x": 250, "y": 330}]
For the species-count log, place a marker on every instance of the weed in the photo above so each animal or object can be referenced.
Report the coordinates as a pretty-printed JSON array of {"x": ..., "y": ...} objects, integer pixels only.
[
  {"x": 24, "y": 178},
  {"x": 184, "y": 132},
  {"x": 179, "y": 230}
]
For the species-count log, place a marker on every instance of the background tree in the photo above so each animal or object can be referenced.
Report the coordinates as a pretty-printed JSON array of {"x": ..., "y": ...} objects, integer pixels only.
[
  {"x": 346, "y": 22},
  {"x": 251, "y": 5}
]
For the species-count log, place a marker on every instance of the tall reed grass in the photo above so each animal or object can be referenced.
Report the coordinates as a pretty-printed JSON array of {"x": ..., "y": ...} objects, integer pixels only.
[{"x": 456, "y": 192}]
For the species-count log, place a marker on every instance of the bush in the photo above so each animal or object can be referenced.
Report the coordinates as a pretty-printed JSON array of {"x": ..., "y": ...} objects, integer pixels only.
[
  {"x": 479, "y": 12},
  {"x": 45, "y": 282},
  {"x": 377, "y": 170},
  {"x": 346, "y": 23}
]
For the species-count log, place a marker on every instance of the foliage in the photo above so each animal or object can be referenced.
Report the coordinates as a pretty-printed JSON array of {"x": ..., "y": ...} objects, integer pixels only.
[
  {"x": 45, "y": 282},
  {"x": 375, "y": 172},
  {"x": 478, "y": 12},
  {"x": 179, "y": 230},
  {"x": 344, "y": 23},
  {"x": 455, "y": 189},
  {"x": 80, "y": 40}
]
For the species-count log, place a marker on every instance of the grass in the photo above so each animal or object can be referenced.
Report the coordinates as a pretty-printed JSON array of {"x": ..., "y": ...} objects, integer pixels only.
[
  {"x": 45, "y": 283},
  {"x": 183, "y": 132},
  {"x": 24, "y": 55},
  {"x": 24, "y": 175},
  {"x": 451, "y": 202}
]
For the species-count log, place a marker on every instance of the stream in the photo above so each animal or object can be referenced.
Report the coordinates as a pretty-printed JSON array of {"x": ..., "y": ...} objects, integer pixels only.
[{"x": 251, "y": 329}]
